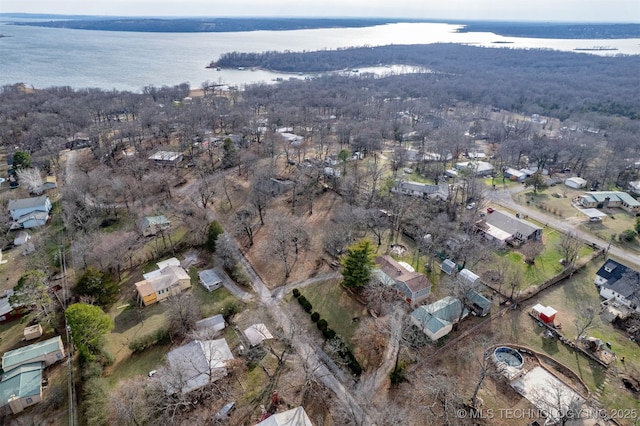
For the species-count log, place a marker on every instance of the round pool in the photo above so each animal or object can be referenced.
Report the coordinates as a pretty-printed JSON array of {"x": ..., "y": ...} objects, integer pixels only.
[{"x": 509, "y": 356}]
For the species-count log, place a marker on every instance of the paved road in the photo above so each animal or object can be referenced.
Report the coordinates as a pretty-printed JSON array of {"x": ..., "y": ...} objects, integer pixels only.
[
  {"x": 301, "y": 343},
  {"x": 504, "y": 197}
]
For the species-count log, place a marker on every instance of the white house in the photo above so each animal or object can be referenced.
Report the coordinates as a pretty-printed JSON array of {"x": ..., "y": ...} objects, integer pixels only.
[
  {"x": 197, "y": 364},
  {"x": 29, "y": 212},
  {"x": 479, "y": 168},
  {"x": 576, "y": 182},
  {"x": 620, "y": 283},
  {"x": 294, "y": 417}
]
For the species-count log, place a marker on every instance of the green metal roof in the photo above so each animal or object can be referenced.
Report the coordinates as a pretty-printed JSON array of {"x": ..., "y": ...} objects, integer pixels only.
[
  {"x": 19, "y": 356},
  {"x": 22, "y": 382}
]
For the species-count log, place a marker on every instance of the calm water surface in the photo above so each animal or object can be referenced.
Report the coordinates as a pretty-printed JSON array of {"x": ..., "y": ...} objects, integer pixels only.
[{"x": 44, "y": 57}]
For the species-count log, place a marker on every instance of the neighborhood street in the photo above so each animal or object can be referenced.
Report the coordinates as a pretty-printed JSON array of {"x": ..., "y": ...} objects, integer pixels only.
[{"x": 504, "y": 198}]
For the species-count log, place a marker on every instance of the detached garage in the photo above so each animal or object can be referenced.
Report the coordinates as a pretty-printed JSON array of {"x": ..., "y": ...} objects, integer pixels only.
[{"x": 576, "y": 183}]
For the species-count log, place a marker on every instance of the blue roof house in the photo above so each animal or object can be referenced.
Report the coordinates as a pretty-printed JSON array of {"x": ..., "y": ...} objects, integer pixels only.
[{"x": 436, "y": 320}]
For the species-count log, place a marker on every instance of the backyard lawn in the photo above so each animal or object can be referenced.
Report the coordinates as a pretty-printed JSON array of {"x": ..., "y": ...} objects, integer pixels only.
[
  {"x": 567, "y": 298},
  {"x": 336, "y": 306}
]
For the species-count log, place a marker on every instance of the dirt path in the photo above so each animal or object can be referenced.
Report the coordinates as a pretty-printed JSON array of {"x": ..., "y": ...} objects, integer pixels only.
[
  {"x": 372, "y": 382},
  {"x": 280, "y": 292}
]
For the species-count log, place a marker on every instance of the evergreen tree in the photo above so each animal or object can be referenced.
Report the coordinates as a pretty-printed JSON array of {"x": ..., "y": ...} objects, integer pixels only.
[
  {"x": 214, "y": 231},
  {"x": 89, "y": 324},
  {"x": 357, "y": 264},
  {"x": 100, "y": 286},
  {"x": 230, "y": 156}
]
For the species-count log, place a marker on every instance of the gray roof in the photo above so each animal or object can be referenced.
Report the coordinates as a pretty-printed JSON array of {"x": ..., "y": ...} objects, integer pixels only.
[
  {"x": 27, "y": 203},
  {"x": 215, "y": 323},
  {"x": 439, "y": 314},
  {"x": 209, "y": 277},
  {"x": 448, "y": 266},
  {"x": 196, "y": 361},
  {"x": 511, "y": 224}
]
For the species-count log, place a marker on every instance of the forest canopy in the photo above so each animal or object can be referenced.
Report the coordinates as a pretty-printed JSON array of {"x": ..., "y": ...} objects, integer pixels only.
[{"x": 535, "y": 81}]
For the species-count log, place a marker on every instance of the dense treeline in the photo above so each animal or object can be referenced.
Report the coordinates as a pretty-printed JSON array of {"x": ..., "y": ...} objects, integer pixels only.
[
  {"x": 218, "y": 25},
  {"x": 555, "y": 30},
  {"x": 534, "y": 81}
]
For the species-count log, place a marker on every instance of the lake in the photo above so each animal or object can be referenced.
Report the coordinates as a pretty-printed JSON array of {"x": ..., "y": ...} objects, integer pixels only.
[{"x": 44, "y": 57}]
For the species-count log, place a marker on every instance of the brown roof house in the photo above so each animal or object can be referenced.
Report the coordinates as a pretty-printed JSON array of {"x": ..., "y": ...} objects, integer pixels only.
[
  {"x": 169, "y": 279},
  {"x": 414, "y": 287}
]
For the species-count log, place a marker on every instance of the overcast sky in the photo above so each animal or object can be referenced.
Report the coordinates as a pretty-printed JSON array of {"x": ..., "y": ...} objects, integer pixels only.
[{"x": 521, "y": 10}]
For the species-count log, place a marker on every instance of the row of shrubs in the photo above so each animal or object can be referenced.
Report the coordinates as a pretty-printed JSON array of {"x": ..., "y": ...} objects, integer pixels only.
[
  {"x": 329, "y": 333},
  {"x": 142, "y": 343}
]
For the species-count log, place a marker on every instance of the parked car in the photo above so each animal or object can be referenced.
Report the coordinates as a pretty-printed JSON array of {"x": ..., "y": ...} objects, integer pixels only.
[{"x": 490, "y": 210}]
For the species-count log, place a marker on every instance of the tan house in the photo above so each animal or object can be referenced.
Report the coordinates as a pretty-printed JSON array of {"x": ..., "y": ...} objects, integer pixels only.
[
  {"x": 21, "y": 387},
  {"x": 411, "y": 285},
  {"x": 48, "y": 352},
  {"x": 168, "y": 281}
]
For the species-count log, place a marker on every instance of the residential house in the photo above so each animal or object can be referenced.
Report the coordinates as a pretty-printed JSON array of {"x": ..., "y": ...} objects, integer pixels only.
[
  {"x": 21, "y": 387},
  {"x": 162, "y": 283},
  {"x": 7, "y": 310},
  {"x": 209, "y": 279},
  {"x": 503, "y": 228},
  {"x": 413, "y": 286},
  {"x": 514, "y": 175},
  {"x": 479, "y": 168},
  {"x": 166, "y": 158},
  {"x": 576, "y": 182},
  {"x": 620, "y": 283},
  {"x": 257, "y": 333},
  {"x": 29, "y": 212},
  {"x": 48, "y": 352},
  {"x": 292, "y": 139},
  {"x": 197, "y": 364},
  {"x": 417, "y": 189},
  {"x": 604, "y": 199},
  {"x": 634, "y": 187},
  {"x": 436, "y": 320},
  {"x": 294, "y": 417},
  {"x": 151, "y": 225}
]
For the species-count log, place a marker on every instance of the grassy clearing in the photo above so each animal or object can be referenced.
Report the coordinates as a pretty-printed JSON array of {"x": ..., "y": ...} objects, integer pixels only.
[
  {"x": 133, "y": 322},
  {"x": 336, "y": 306},
  {"x": 138, "y": 364},
  {"x": 11, "y": 332},
  {"x": 567, "y": 298},
  {"x": 211, "y": 302}
]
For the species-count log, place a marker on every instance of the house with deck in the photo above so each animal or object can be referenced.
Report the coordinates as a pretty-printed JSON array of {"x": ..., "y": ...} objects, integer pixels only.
[
  {"x": 503, "y": 228},
  {"x": 620, "y": 283},
  {"x": 29, "y": 212},
  {"x": 412, "y": 286},
  {"x": 170, "y": 279}
]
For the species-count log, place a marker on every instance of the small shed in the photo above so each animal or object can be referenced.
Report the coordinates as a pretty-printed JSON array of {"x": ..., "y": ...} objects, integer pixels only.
[
  {"x": 210, "y": 280},
  {"x": 257, "y": 333},
  {"x": 21, "y": 238},
  {"x": 545, "y": 314},
  {"x": 214, "y": 323},
  {"x": 469, "y": 276},
  {"x": 576, "y": 182},
  {"x": 448, "y": 266},
  {"x": 32, "y": 332}
]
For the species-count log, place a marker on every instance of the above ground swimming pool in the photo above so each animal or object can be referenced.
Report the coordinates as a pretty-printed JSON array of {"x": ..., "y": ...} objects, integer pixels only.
[{"x": 509, "y": 356}]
